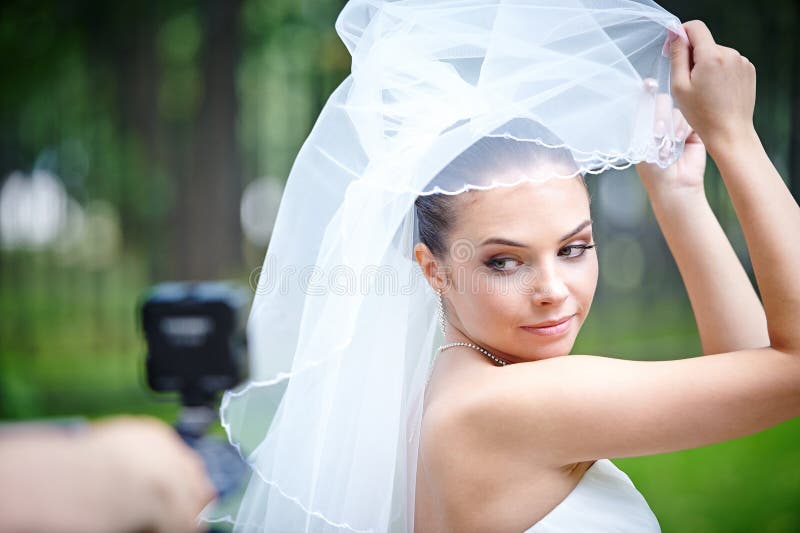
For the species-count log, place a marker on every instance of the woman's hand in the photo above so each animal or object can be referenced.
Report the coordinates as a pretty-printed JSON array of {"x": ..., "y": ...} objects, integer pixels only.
[
  {"x": 715, "y": 86},
  {"x": 686, "y": 174}
]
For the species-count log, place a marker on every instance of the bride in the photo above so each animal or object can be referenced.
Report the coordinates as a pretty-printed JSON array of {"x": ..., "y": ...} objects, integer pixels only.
[
  {"x": 446, "y": 174},
  {"x": 501, "y": 448}
]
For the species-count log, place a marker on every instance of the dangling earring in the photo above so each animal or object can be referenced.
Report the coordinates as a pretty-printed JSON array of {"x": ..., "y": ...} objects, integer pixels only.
[{"x": 442, "y": 320}]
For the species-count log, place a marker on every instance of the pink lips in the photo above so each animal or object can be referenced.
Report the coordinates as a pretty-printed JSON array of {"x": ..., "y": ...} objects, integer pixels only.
[{"x": 551, "y": 329}]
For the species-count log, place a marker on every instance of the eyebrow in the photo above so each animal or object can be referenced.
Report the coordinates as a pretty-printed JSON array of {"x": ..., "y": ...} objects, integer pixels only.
[{"x": 500, "y": 240}]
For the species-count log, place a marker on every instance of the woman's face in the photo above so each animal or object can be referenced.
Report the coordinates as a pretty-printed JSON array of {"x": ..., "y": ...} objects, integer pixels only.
[{"x": 517, "y": 259}]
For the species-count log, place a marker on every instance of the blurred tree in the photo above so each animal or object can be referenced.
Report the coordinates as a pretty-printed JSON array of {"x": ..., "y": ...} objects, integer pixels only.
[
  {"x": 162, "y": 110},
  {"x": 207, "y": 203},
  {"x": 148, "y": 152}
]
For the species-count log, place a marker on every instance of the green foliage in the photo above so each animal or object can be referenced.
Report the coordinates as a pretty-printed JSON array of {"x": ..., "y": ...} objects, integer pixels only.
[{"x": 107, "y": 97}]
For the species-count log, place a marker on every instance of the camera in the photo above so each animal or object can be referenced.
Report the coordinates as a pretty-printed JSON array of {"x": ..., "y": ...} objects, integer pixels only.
[{"x": 197, "y": 347}]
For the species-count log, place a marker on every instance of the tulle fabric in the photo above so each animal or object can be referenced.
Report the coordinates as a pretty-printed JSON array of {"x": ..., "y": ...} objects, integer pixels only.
[{"x": 343, "y": 325}]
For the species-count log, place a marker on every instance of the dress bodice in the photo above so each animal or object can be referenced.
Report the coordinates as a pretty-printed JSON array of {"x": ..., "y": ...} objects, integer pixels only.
[{"x": 605, "y": 499}]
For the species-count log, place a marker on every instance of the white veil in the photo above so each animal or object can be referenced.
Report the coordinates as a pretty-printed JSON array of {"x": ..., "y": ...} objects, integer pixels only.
[{"x": 343, "y": 325}]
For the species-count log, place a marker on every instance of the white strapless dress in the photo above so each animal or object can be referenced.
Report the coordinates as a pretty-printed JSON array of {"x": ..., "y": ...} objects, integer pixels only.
[{"x": 604, "y": 500}]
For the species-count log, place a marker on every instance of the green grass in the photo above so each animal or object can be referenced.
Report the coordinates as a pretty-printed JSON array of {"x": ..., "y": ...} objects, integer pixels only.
[
  {"x": 69, "y": 341},
  {"x": 744, "y": 485},
  {"x": 747, "y": 484}
]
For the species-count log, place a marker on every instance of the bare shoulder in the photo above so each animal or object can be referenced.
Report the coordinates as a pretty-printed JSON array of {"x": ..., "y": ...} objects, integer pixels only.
[
  {"x": 577, "y": 408},
  {"x": 527, "y": 432},
  {"x": 466, "y": 479}
]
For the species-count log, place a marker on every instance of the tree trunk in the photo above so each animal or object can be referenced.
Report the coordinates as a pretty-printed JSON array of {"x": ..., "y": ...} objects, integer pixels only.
[{"x": 208, "y": 233}]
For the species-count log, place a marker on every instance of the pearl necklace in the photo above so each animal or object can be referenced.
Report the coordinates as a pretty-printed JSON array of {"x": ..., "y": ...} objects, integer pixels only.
[
  {"x": 494, "y": 358},
  {"x": 497, "y": 360}
]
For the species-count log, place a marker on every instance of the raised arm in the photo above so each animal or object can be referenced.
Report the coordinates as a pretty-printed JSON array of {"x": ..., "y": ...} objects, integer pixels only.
[
  {"x": 562, "y": 410},
  {"x": 726, "y": 308},
  {"x": 769, "y": 215}
]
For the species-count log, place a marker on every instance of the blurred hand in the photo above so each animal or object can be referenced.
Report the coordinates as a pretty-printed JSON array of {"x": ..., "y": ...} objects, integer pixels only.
[
  {"x": 714, "y": 86},
  {"x": 162, "y": 484},
  {"x": 123, "y": 474}
]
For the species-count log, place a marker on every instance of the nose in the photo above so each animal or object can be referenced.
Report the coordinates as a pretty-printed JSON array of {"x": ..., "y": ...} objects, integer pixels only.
[{"x": 548, "y": 287}]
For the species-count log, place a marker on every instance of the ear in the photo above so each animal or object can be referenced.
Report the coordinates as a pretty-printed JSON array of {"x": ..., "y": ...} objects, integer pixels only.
[{"x": 433, "y": 271}]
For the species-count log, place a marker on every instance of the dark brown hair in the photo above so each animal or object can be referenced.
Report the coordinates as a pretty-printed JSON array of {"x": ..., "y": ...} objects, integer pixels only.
[{"x": 488, "y": 157}]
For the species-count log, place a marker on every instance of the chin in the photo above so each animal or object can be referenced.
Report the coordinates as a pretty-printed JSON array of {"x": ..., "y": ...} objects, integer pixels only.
[
  {"x": 554, "y": 348},
  {"x": 555, "y": 353}
]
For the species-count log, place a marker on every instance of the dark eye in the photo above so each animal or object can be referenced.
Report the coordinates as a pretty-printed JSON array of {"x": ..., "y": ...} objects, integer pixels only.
[
  {"x": 502, "y": 261},
  {"x": 574, "y": 250}
]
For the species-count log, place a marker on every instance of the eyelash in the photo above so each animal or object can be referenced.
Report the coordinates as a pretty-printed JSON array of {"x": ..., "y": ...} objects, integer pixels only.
[{"x": 582, "y": 247}]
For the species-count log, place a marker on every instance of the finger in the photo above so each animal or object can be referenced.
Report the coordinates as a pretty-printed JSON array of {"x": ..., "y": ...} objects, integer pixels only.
[
  {"x": 665, "y": 150},
  {"x": 196, "y": 478},
  {"x": 679, "y": 125},
  {"x": 187, "y": 509},
  {"x": 728, "y": 50},
  {"x": 672, "y": 34},
  {"x": 693, "y": 138},
  {"x": 699, "y": 35},
  {"x": 663, "y": 107},
  {"x": 179, "y": 507},
  {"x": 680, "y": 65},
  {"x": 203, "y": 488},
  {"x": 691, "y": 134},
  {"x": 198, "y": 498},
  {"x": 196, "y": 482}
]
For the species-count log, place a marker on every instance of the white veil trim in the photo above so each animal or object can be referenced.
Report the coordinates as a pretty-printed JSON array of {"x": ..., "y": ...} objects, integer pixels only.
[{"x": 330, "y": 420}]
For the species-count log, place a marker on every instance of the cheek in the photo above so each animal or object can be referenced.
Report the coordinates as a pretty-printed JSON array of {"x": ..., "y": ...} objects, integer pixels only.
[
  {"x": 490, "y": 300},
  {"x": 584, "y": 281},
  {"x": 501, "y": 299}
]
